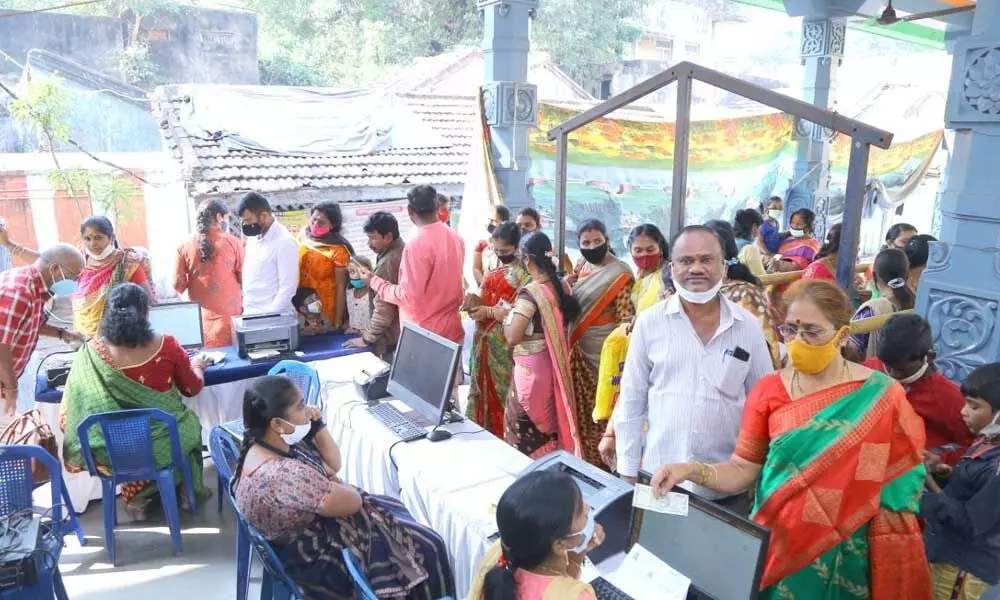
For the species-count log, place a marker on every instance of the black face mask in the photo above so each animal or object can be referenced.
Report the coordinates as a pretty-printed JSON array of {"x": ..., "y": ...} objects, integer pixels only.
[
  {"x": 491, "y": 228},
  {"x": 252, "y": 229},
  {"x": 595, "y": 255},
  {"x": 506, "y": 258}
]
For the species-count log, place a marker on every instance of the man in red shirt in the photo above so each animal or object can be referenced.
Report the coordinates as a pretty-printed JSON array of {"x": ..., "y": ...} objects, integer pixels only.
[
  {"x": 23, "y": 294},
  {"x": 906, "y": 353}
]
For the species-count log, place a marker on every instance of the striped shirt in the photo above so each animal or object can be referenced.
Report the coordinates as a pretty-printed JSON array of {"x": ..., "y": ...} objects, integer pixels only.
[{"x": 690, "y": 393}]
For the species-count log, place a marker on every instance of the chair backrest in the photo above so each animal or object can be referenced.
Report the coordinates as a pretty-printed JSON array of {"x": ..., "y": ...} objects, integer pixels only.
[
  {"x": 225, "y": 453},
  {"x": 128, "y": 440},
  {"x": 267, "y": 555},
  {"x": 304, "y": 377},
  {"x": 361, "y": 585},
  {"x": 16, "y": 484}
]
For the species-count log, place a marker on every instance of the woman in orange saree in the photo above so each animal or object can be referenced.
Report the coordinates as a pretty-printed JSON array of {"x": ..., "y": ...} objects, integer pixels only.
[
  {"x": 541, "y": 413},
  {"x": 602, "y": 284},
  {"x": 836, "y": 451},
  {"x": 323, "y": 257},
  {"x": 492, "y": 362}
]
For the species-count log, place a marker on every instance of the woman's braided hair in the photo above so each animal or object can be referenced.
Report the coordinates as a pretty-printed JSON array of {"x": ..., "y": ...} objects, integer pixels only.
[{"x": 206, "y": 218}]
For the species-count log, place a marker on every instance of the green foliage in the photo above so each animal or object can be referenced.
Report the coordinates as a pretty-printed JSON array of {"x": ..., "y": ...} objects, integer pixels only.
[
  {"x": 109, "y": 192},
  {"x": 281, "y": 70},
  {"x": 137, "y": 67},
  {"x": 43, "y": 107}
]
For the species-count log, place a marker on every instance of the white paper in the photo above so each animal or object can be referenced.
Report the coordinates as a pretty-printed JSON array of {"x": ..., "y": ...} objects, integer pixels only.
[
  {"x": 672, "y": 504},
  {"x": 645, "y": 577}
]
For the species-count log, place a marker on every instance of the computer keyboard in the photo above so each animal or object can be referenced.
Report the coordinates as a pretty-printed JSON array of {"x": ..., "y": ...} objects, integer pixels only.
[
  {"x": 605, "y": 590},
  {"x": 394, "y": 420}
]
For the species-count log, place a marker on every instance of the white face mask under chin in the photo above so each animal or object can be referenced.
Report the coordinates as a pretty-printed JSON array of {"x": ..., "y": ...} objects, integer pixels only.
[
  {"x": 797, "y": 233},
  {"x": 296, "y": 436},
  {"x": 993, "y": 429},
  {"x": 108, "y": 251},
  {"x": 697, "y": 297},
  {"x": 916, "y": 376}
]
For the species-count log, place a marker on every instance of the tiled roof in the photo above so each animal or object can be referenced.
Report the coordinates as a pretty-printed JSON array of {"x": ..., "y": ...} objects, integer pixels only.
[{"x": 210, "y": 169}]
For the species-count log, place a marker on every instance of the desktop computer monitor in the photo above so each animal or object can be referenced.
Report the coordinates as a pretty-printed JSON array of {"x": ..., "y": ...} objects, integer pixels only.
[
  {"x": 181, "y": 320},
  {"x": 719, "y": 551},
  {"x": 423, "y": 372}
]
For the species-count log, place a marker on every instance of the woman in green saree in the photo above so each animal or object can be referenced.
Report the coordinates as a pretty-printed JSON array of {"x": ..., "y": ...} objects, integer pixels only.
[
  {"x": 127, "y": 367},
  {"x": 836, "y": 451}
]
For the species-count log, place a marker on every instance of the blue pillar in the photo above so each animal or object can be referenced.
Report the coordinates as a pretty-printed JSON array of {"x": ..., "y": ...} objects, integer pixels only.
[
  {"x": 822, "y": 52},
  {"x": 959, "y": 292},
  {"x": 510, "y": 103}
]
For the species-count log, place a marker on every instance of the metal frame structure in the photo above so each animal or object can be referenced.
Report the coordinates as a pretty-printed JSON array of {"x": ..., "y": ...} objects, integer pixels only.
[{"x": 863, "y": 137}]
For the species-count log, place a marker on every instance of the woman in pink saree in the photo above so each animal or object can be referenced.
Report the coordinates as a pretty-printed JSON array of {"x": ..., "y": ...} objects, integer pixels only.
[{"x": 540, "y": 415}]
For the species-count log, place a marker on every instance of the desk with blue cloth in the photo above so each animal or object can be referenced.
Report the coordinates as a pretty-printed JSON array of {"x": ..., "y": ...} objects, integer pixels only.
[{"x": 234, "y": 368}]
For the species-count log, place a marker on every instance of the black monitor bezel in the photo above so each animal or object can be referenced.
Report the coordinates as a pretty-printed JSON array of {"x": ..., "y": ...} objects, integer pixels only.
[{"x": 722, "y": 514}]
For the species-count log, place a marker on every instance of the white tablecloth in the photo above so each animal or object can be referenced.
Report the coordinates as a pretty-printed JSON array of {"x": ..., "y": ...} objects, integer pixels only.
[{"x": 451, "y": 486}]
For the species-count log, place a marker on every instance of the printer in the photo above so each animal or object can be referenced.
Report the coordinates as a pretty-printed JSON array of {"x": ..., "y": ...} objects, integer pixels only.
[{"x": 265, "y": 333}]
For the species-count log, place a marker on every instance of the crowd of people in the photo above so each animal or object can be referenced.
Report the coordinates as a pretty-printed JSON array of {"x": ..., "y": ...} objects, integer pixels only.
[{"x": 876, "y": 475}]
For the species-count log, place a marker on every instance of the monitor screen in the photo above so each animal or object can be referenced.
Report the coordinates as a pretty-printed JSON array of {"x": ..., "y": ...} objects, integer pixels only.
[
  {"x": 179, "y": 319},
  {"x": 722, "y": 554},
  {"x": 423, "y": 371}
]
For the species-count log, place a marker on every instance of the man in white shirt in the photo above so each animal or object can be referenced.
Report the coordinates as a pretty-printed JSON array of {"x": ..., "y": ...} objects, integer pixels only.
[
  {"x": 271, "y": 262},
  {"x": 691, "y": 361}
]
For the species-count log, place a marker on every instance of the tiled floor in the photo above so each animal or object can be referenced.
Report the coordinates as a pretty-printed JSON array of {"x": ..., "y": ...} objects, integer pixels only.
[{"x": 147, "y": 568}]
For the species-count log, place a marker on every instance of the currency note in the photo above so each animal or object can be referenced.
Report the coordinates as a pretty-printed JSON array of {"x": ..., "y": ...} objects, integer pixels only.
[{"x": 672, "y": 503}]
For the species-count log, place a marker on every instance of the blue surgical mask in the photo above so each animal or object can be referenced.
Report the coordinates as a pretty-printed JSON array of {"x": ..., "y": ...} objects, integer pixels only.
[
  {"x": 357, "y": 284},
  {"x": 63, "y": 287},
  {"x": 224, "y": 227},
  {"x": 587, "y": 532}
]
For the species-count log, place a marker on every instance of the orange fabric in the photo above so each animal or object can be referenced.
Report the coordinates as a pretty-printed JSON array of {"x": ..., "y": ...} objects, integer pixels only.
[
  {"x": 813, "y": 511},
  {"x": 215, "y": 284},
  {"x": 317, "y": 270},
  {"x": 598, "y": 314}
]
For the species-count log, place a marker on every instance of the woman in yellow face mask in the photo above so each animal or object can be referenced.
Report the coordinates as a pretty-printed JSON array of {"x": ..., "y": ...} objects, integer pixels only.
[{"x": 836, "y": 453}]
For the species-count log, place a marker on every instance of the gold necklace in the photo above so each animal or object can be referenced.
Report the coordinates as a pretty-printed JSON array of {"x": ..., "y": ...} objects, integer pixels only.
[
  {"x": 797, "y": 385},
  {"x": 542, "y": 570}
]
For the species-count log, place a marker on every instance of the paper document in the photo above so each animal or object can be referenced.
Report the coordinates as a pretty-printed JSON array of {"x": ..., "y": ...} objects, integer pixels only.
[
  {"x": 645, "y": 577},
  {"x": 672, "y": 504}
]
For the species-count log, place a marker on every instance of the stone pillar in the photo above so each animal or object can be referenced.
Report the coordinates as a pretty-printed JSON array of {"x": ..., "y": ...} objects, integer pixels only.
[
  {"x": 510, "y": 103},
  {"x": 959, "y": 292},
  {"x": 822, "y": 52}
]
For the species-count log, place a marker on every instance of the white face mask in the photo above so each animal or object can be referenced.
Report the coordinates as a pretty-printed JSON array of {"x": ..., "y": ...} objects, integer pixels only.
[
  {"x": 916, "y": 376},
  {"x": 315, "y": 307},
  {"x": 797, "y": 233},
  {"x": 776, "y": 214},
  {"x": 697, "y": 297},
  {"x": 991, "y": 430},
  {"x": 587, "y": 532},
  {"x": 108, "y": 251},
  {"x": 296, "y": 436}
]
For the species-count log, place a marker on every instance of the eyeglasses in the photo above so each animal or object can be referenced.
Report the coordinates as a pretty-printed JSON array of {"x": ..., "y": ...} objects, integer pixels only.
[{"x": 810, "y": 333}]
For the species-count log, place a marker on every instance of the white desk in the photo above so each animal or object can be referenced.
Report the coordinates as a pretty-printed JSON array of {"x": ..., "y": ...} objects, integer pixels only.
[{"x": 452, "y": 486}]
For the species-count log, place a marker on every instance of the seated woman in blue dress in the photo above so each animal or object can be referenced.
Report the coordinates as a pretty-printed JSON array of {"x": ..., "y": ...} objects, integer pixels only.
[{"x": 286, "y": 486}]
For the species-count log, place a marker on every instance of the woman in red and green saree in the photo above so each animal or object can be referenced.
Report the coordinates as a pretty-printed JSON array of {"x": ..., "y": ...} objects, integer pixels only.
[
  {"x": 836, "y": 452},
  {"x": 602, "y": 284},
  {"x": 127, "y": 367},
  {"x": 107, "y": 266},
  {"x": 492, "y": 360},
  {"x": 541, "y": 414}
]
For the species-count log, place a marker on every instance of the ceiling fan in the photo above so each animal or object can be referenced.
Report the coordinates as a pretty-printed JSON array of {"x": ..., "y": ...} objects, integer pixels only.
[{"x": 889, "y": 16}]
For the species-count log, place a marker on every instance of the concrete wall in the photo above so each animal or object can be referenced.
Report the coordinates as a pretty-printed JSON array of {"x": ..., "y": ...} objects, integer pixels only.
[
  {"x": 93, "y": 42},
  {"x": 205, "y": 46}
]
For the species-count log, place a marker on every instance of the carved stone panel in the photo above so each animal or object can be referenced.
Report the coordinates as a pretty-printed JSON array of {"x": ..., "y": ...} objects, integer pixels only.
[
  {"x": 974, "y": 95},
  {"x": 823, "y": 38},
  {"x": 963, "y": 328},
  {"x": 506, "y": 104}
]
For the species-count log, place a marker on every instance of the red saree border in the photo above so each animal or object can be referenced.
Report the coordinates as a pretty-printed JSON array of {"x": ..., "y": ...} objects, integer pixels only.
[{"x": 591, "y": 317}]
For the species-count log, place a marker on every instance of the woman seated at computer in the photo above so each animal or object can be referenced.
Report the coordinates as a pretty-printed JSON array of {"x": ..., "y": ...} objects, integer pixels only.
[
  {"x": 546, "y": 530},
  {"x": 286, "y": 486},
  {"x": 836, "y": 451},
  {"x": 130, "y": 366}
]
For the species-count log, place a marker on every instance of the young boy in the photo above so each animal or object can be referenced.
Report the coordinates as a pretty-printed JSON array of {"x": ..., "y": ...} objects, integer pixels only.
[
  {"x": 308, "y": 307},
  {"x": 359, "y": 297},
  {"x": 906, "y": 352},
  {"x": 963, "y": 520}
]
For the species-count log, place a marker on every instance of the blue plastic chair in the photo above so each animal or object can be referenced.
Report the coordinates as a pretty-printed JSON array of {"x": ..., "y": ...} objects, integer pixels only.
[
  {"x": 276, "y": 584},
  {"x": 361, "y": 585},
  {"x": 304, "y": 376},
  {"x": 129, "y": 441},
  {"x": 16, "y": 489},
  {"x": 225, "y": 454}
]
